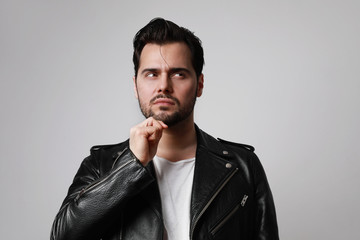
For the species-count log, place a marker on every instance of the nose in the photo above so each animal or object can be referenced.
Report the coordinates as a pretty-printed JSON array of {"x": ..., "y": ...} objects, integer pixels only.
[{"x": 165, "y": 84}]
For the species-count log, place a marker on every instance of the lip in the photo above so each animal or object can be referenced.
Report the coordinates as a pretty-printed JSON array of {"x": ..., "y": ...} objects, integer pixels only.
[{"x": 164, "y": 101}]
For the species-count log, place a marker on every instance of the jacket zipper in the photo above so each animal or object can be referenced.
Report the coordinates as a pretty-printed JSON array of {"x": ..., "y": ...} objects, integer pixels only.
[
  {"x": 93, "y": 185},
  {"x": 210, "y": 201},
  {"x": 225, "y": 220}
]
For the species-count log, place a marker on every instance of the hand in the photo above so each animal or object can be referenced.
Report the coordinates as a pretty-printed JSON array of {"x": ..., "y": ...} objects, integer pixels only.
[{"x": 144, "y": 139}]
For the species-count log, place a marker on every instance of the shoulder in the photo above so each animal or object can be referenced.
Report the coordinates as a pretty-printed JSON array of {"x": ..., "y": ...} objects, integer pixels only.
[
  {"x": 108, "y": 148},
  {"x": 103, "y": 156},
  {"x": 237, "y": 145},
  {"x": 244, "y": 153},
  {"x": 225, "y": 148},
  {"x": 246, "y": 159}
]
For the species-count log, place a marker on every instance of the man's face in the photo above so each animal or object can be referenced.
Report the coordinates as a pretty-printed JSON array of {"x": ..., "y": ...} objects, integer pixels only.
[{"x": 166, "y": 84}]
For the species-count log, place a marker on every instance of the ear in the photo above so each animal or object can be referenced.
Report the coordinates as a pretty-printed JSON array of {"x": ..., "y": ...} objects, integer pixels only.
[
  {"x": 200, "y": 85},
  {"x": 135, "y": 88}
]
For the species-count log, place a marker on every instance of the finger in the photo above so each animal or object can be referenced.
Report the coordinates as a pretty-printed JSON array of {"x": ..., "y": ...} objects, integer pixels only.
[
  {"x": 163, "y": 124},
  {"x": 148, "y": 122},
  {"x": 153, "y": 122},
  {"x": 158, "y": 124},
  {"x": 153, "y": 133}
]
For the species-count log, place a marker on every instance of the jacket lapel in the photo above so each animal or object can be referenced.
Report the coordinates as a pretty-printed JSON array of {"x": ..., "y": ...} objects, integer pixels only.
[{"x": 211, "y": 173}]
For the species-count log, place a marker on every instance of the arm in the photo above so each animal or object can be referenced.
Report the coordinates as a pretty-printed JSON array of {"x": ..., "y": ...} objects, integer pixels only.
[
  {"x": 265, "y": 220},
  {"x": 94, "y": 201}
]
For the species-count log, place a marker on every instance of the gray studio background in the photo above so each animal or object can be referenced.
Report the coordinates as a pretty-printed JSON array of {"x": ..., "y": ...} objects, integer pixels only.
[{"x": 283, "y": 76}]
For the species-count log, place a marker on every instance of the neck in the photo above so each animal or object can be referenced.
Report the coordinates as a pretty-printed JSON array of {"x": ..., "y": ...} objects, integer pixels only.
[{"x": 178, "y": 142}]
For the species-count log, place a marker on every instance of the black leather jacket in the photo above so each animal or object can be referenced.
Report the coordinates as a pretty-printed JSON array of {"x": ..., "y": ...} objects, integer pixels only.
[{"x": 114, "y": 197}]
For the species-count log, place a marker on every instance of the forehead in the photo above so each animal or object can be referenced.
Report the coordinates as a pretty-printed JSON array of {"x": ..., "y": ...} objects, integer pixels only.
[{"x": 171, "y": 55}]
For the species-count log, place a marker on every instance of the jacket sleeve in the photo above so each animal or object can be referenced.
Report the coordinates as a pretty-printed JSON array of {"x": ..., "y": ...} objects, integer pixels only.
[
  {"x": 94, "y": 202},
  {"x": 265, "y": 216}
]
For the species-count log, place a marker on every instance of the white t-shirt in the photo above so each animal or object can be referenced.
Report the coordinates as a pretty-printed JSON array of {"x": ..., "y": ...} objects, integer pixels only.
[{"x": 175, "y": 181}]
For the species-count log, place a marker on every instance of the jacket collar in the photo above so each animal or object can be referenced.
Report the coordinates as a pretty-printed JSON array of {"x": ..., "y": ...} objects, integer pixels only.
[{"x": 209, "y": 143}]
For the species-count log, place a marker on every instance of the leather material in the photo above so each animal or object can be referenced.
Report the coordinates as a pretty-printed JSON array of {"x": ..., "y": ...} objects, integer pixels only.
[{"x": 114, "y": 197}]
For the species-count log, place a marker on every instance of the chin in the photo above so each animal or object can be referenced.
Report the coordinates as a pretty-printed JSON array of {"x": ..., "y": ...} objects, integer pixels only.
[{"x": 169, "y": 119}]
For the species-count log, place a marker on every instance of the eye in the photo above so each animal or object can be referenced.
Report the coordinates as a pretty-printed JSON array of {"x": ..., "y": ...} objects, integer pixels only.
[
  {"x": 179, "y": 75},
  {"x": 150, "y": 75}
]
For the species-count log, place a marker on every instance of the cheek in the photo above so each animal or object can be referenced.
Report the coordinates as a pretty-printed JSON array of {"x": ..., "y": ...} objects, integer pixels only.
[
  {"x": 146, "y": 87},
  {"x": 190, "y": 91},
  {"x": 142, "y": 97},
  {"x": 142, "y": 92}
]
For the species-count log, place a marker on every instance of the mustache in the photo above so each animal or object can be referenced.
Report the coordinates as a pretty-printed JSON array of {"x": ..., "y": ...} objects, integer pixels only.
[{"x": 165, "y": 96}]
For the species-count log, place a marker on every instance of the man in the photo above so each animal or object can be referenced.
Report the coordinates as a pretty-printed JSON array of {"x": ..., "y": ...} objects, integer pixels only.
[{"x": 170, "y": 180}]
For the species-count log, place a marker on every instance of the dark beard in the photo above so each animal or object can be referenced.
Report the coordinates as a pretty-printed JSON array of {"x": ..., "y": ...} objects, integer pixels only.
[{"x": 169, "y": 119}]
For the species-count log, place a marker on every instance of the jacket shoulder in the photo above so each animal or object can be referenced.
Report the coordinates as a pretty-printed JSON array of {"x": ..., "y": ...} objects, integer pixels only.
[
  {"x": 109, "y": 149},
  {"x": 102, "y": 157},
  {"x": 105, "y": 146},
  {"x": 241, "y": 145}
]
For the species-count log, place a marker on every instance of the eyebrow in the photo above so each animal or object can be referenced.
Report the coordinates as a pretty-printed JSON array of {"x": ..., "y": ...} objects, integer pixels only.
[
  {"x": 172, "y": 70},
  {"x": 149, "y": 70}
]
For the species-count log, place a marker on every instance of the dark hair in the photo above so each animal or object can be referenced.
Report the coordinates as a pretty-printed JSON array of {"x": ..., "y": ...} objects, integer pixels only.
[{"x": 161, "y": 31}]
